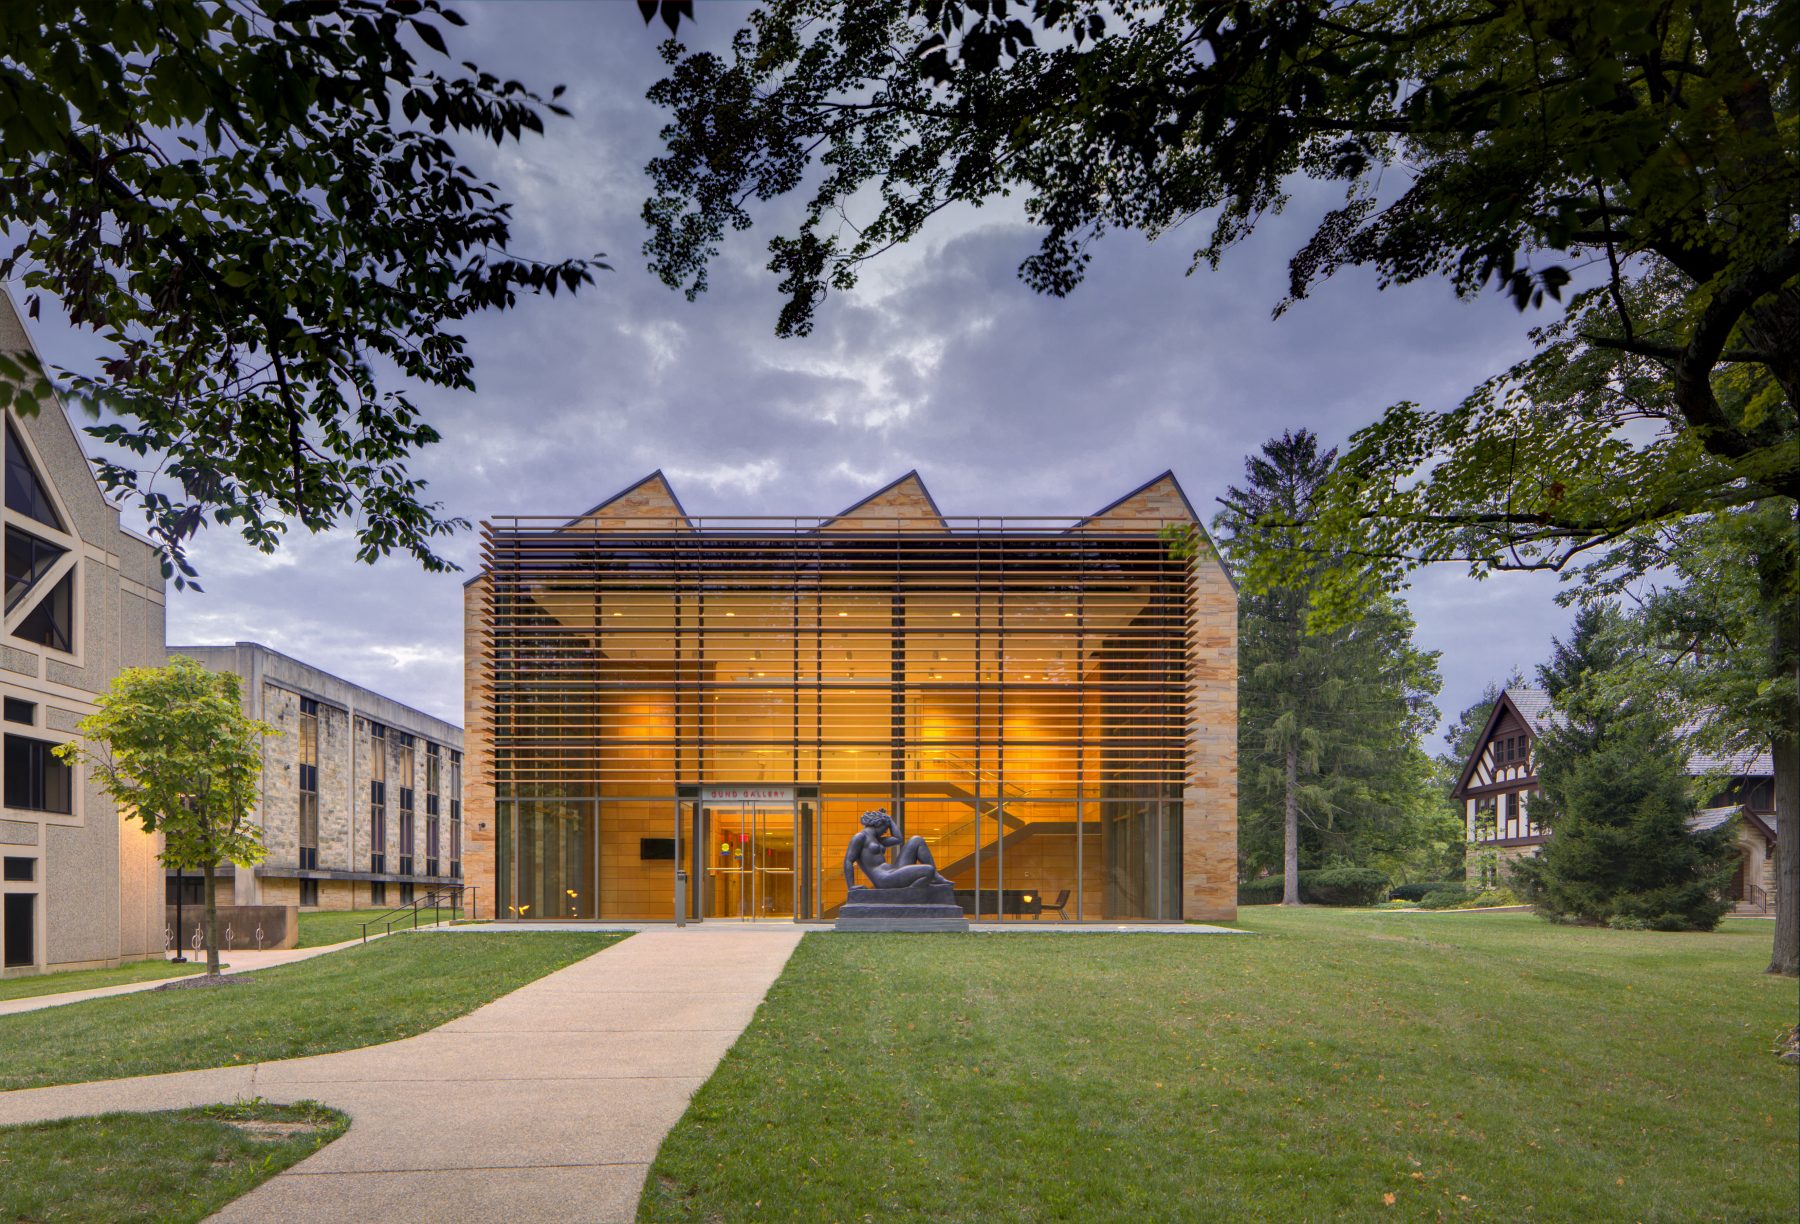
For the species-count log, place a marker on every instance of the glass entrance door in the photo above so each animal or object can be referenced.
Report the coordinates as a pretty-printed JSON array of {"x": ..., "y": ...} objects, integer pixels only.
[{"x": 748, "y": 860}]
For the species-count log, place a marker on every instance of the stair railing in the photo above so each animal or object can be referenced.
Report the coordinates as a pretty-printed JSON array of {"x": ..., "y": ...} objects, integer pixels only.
[{"x": 436, "y": 900}]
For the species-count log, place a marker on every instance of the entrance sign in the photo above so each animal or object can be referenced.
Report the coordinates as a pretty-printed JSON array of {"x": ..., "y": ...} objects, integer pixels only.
[{"x": 747, "y": 794}]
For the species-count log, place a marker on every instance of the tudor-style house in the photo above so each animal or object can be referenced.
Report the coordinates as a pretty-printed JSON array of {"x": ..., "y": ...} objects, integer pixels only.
[
  {"x": 79, "y": 885},
  {"x": 1499, "y": 782}
]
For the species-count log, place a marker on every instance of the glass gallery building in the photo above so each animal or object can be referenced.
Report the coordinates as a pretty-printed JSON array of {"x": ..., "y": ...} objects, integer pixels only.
[{"x": 671, "y": 712}]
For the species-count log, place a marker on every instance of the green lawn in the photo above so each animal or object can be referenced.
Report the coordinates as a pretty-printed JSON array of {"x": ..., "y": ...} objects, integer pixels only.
[
  {"x": 361, "y": 996},
  {"x": 175, "y": 1166},
  {"x": 321, "y": 927},
  {"x": 90, "y": 979},
  {"x": 1488, "y": 1067}
]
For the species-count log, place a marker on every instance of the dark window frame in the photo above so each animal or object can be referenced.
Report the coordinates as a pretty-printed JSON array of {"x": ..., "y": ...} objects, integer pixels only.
[
  {"x": 29, "y": 493},
  {"x": 37, "y": 769}
]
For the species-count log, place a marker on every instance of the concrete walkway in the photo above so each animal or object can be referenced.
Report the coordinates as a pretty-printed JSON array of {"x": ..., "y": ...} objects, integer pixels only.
[
  {"x": 545, "y": 1105},
  {"x": 240, "y": 961}
]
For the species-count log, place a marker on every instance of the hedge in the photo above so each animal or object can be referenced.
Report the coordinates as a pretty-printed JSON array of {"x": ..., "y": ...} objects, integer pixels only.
[
  {"x": 1417, "y": 892},
  {"x": 1324, "y": 886}
]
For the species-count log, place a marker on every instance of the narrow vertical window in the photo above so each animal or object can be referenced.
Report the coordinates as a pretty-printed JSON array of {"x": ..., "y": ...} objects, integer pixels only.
[
  {"x": 408, "y": 834},
  {"x": 378, "y": 808},
  {"x": 456, "y": 814},
  {"x": 433, "y": 775},
  {"x": 309, "y": 784}
]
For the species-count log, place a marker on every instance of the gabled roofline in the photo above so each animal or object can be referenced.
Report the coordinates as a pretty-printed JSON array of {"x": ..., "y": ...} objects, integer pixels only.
[
  {"x": 1762, "y": 825},
  {"x": 1503, "y": 702},
  {"x": 889, "y": 487},
  {"x": 1167, "y": 474},
  {"x": 26, "y": 326},
  {"x": 637, "y": 484}
]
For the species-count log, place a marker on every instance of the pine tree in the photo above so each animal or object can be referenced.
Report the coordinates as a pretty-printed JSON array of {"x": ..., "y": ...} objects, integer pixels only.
[
  {"x": 1616, "y": 799},
  {"x": 1330, "y": 765}
]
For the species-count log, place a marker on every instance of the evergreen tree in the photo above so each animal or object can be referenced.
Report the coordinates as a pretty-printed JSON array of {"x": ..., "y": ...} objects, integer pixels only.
[
  {"x": 1616, "y": 799},
  {"x": 1330, "y": 767}
]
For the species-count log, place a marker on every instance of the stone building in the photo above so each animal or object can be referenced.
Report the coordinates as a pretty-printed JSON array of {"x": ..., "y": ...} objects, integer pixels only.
[
  {"x": 79, "y": 886},
  {"x": 1499, "y": 783},
  {"x": 674, "y": 715},
  {"x": 361, "y": 796}
]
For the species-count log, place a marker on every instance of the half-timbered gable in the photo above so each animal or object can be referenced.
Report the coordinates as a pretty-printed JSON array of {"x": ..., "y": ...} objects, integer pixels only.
[{"x": 1499, "y": 784}]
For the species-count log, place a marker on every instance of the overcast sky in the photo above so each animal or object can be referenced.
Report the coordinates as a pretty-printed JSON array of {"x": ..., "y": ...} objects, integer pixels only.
[{"x": 943, "y": 361}]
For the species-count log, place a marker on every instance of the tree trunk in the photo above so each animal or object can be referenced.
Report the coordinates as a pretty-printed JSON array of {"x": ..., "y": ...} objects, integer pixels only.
[
  {"x": 1290, "y": 848},
  {"x": 1786, "y": 958},
  {"x": 1776, "y": 572},
  {"x": 212, "y": 920}
]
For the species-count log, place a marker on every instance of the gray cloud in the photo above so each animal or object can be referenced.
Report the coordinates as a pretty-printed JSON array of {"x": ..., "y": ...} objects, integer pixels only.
[{"x": 1005, "y": 401}]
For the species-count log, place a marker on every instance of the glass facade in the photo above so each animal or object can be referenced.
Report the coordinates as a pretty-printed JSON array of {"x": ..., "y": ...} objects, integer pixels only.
[{"x": 726, "y": 698}]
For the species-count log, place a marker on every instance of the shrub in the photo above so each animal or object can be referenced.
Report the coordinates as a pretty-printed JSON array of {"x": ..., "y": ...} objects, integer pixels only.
[
  {"x": 1419, "y": 891},
  {"x": 1343, "y": 886},
  {"x": 1492, "y": 897},
  {"x": 1266, "y": 891},
  {"x": 1325, "y": 886},
  {"x": 1445, "y": 898}
]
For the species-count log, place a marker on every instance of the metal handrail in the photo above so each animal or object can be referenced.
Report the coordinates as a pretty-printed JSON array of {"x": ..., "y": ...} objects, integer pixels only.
[
  {"x": 434, "y": 900},
  {"x": 1756, "y": 897}
]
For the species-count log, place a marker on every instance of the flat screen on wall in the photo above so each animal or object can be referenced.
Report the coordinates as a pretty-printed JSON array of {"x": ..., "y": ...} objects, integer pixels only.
[{"x": 656, "y": 848}]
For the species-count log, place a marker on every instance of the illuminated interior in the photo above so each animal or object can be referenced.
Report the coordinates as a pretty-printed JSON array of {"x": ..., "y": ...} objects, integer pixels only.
[{"x": 1014, "y": 691}]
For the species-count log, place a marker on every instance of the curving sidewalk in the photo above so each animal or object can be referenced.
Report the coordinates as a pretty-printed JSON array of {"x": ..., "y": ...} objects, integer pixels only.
[{"x": 547, "y": 1104}]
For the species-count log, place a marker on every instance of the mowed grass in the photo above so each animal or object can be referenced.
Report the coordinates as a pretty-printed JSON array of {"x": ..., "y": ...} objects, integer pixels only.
[
  {"x": 1483, "y": 1067},
  {"x": 90, "y": 979},
  {"x": 175, "y": 1166},
  {"x": 360, "y": 996},
  {"x": 321, "y": 927}
]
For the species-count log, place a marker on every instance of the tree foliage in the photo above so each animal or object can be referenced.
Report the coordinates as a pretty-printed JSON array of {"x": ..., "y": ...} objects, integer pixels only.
[
  {"x": 1650, "y": 148},
  {"x": 258, "y": 206},
  {"x": 173, "y": 748},
  {"x": 1330, "y": 767},
  {"x": 1616, "y": 799},
  {"x": 1527, "y": 140}
]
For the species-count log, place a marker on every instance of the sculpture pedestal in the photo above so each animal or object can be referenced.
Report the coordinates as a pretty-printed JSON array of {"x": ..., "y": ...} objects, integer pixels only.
[{"x": 918, "y": 907}]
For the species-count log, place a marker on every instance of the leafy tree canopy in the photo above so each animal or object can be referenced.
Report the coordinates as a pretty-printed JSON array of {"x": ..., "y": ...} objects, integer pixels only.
[
  {"x": 173, "y": 748},
  {"x": 1525, "y": 140},
  {"x": 258, "y": 205}
]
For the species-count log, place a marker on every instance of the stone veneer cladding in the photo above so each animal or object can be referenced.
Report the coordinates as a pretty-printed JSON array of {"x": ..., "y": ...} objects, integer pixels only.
[{"x": 274, "y": 685}]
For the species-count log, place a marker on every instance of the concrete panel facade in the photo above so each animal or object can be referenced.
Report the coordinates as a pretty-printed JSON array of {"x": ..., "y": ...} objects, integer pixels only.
[{"x": 93, "y": 874}]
